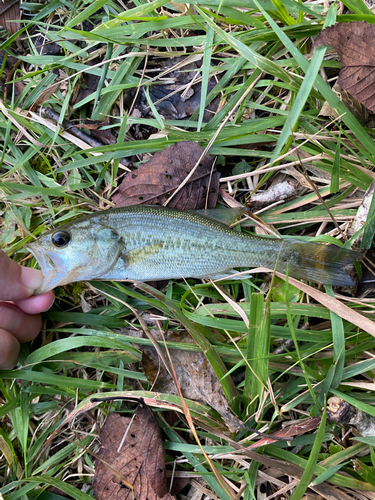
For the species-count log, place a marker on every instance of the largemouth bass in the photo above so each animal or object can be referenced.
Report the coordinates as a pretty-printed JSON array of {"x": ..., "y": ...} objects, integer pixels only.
[{"x": 144, "y": 243}]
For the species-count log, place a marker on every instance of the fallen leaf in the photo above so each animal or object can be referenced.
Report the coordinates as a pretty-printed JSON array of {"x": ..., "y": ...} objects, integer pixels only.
[
  {"x": 354, "y": 44},
  {"x": 195, "y": 375},
  {"x": 290, "y": 431},
  {"x": 139, "y": 462},
  {"x": 46, "y": 94},
  {"x": 10, "y": 11},
  {"x": 155, "y": 181},
  {"x": 354, "y": 106}
]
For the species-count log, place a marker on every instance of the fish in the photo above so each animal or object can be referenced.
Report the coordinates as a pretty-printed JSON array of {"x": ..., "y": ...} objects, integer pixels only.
[{"x": 149, "y": 243}]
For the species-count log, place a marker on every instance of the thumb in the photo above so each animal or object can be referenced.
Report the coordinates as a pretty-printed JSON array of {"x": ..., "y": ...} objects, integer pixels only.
[{"x": 17, "y": 282}]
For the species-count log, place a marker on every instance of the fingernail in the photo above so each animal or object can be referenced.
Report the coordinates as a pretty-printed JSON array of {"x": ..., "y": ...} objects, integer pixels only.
[
  {"x": 49, "y": 307},
  {"x": 31, "y": 278}
]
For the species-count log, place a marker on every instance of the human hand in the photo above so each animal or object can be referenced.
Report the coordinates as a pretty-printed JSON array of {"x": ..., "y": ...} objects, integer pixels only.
[{"x": 20, "y": 319}]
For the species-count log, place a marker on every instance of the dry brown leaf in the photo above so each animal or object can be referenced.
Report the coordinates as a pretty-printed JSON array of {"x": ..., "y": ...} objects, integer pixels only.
[
  {"x": 140, "y": 461},
  {"x": 155, "y": 181},
  {"x": 290, "y": 431},
  {"x": 10, "y": 11},
  {"x": 355, "y": 107},
  {"x": 354, "y": 44},
  {"x": 46, "y": 94},
  {"x": 195, "y": 375}
]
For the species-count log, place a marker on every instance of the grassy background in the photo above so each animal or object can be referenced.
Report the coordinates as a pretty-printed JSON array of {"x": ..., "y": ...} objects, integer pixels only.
[{"x": 271, "y": 85}]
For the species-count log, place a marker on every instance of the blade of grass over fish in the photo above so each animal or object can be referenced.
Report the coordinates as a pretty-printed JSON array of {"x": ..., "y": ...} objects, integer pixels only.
[
  {"x": 346, "y": 116},
  {"x": 252, "y": 387}
]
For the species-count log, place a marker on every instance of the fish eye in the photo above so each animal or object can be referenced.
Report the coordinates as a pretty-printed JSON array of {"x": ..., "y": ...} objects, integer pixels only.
[{"x": 60, "y": 239}]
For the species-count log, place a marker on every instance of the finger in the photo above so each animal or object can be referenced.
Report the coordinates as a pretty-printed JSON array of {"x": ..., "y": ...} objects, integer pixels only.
[
  {"x": 17, "y": 282},
  {"x": 36, "y": 303},
  {"x": 10, "y": 348},
  {"x": 24, "y": 327}
]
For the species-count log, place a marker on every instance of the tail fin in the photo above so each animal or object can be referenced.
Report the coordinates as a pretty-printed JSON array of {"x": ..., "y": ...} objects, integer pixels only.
[{"x": 317, "y": 262}]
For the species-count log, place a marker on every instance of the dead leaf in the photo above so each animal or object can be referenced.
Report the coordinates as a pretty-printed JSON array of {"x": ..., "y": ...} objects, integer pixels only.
[
  {"x": 354, "y": 44},
  {"x": 195, "y": 375},
  {"x": 46, "y": 94},
  {"x": 354, "y": 106},
  {"x": 140, "y": 461},
  {"x": 154, "y": 182},
  {"x": 10, "y": 11},
  {"x": 290, "y": 431}
]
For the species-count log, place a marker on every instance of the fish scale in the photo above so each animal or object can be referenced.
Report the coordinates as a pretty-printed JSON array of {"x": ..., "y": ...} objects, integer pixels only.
[{"x": 147, "y": 243}]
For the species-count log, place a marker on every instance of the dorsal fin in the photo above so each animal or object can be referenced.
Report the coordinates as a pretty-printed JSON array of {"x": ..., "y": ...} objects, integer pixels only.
[{"x": 227, "y": 216}]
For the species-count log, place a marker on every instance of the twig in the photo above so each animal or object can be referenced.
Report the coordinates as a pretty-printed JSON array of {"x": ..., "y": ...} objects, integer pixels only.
[{"x": 67, "y": 125}]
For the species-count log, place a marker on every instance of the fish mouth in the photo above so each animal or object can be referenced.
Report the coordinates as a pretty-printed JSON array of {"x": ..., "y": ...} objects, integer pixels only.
[{"x": 52, "y": 277}]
